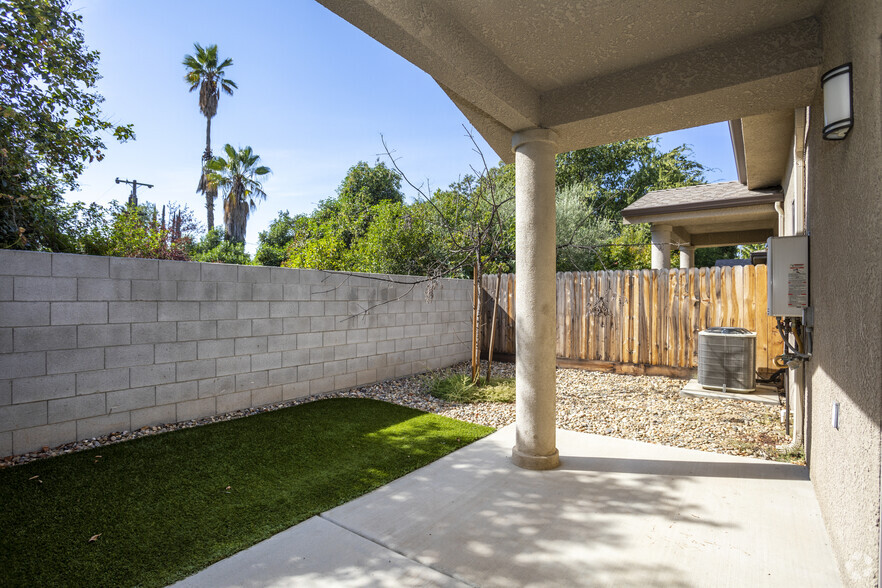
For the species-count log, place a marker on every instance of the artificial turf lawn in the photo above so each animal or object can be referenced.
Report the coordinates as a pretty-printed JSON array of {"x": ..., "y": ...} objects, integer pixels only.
[{"x": 162, "y": 504}]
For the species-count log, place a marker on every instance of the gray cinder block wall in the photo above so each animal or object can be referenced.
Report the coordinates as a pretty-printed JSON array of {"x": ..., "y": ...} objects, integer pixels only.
[{"x": 93, "y": 345}]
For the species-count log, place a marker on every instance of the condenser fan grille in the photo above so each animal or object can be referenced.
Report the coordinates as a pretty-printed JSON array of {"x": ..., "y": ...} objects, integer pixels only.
[{"x": 727, "y": 359}]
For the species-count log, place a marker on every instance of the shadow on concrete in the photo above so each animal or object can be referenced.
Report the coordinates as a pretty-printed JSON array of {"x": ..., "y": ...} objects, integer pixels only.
[
  {"x": 760, "y": 471},
  {"x": 656, "y": 516},
  {"x": 502, "y": 526}
]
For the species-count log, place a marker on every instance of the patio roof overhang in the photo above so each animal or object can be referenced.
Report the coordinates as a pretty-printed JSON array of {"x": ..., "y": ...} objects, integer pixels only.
[
  {"x": 598, "y": 72},
  {"x": 710, "y": 215},
  {"x": 762, "y": 144},
  {"x": 537, "y": 79}
]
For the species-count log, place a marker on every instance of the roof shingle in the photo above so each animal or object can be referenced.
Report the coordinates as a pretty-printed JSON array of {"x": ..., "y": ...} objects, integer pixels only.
[{"x": 702, "y": 197}]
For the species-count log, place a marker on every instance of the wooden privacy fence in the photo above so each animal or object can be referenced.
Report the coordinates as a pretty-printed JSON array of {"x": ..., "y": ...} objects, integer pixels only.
[{"x": 635, "y": 321}]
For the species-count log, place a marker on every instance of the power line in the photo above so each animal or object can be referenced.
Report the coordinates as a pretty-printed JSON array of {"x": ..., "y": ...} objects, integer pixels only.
[{"x": 133, "y": 197}]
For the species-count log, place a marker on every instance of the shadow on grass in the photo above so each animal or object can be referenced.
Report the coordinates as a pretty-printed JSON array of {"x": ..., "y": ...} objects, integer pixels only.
[{"x": 167, "y": 506}]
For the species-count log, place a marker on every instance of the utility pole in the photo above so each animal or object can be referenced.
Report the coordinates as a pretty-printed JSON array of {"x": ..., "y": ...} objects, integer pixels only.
[{"x": 133, "y": 197}]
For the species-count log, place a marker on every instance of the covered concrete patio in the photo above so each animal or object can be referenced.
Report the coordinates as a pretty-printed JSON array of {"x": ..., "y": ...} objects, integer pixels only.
[
  {"x": 615, "y": 513},
  {"x": 536, "y": 80}
]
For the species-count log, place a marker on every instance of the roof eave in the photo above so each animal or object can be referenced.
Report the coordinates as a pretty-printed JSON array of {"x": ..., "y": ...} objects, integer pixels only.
[{"x": 711, "y": 205}]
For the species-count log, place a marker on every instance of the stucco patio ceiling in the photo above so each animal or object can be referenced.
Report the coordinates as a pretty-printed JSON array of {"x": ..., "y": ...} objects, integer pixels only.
[
  {"x": 710, "y": 215},
  {"x": 598, "y": 71},
  {"x": 762, "y": 144}
]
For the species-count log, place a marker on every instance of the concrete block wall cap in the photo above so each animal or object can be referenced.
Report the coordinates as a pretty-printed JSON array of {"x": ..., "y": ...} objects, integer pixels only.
[{"x": 532, "y": 136}]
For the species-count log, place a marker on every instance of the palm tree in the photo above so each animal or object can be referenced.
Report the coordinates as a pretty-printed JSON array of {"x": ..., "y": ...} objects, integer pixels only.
[
  {"x": 238, "y": 177},
  {"x": 204, "y": 72}
]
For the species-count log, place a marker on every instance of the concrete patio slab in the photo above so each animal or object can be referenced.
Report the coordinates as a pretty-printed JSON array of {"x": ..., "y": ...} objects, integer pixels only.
[
  {"x": 615, "y": 513},
  {"x": 316, "y": 553},
  {"x": 762, "y": 395}
]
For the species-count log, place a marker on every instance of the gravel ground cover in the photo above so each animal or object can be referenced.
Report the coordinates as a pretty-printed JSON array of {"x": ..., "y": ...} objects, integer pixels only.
[
  {"x": 642, "y": 408},
  {"x": 650, "y": 409}
]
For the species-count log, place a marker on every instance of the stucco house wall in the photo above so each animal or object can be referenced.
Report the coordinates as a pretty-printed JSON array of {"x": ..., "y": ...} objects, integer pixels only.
[
  {"x": 844, "y": 213},
  {"x": 91, "y": 345},
  {"x": 793, "y": 185},
  {"x": 792, "y": 222}
]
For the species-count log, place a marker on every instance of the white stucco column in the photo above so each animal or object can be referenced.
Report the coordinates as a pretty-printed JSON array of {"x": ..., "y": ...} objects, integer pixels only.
[
  {"x": 536, "y": 300},
  {"x": 687, "y": 256},
  {"x": 661, "y": 246}
]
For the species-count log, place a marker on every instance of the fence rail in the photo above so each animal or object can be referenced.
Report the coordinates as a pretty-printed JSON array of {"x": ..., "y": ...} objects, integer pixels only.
[{"x": 643, "y": 317}]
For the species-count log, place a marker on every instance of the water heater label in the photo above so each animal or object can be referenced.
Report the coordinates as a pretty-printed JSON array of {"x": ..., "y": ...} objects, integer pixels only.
[{"x": 797, "y": 286}]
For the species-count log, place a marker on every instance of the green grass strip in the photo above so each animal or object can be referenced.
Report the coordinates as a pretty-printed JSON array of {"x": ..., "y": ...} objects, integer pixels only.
[
  {"x": 459, "y": 388},
  {"x": 169, "y": 505}
]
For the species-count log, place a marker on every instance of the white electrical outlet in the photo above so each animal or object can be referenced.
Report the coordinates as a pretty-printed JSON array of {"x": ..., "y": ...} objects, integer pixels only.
[{"x": 836, "y": 415}]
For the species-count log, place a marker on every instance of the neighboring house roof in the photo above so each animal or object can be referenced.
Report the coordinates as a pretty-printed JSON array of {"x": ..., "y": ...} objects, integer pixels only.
[
  {"x": 710, "y": 215},
  {"x": 702, "y": 197}
]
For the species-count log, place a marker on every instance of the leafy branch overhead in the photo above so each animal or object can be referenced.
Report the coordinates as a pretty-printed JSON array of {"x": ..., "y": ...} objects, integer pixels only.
[
  {"x": 369, "y": 227},
  {"x": 51, "y": 124}
]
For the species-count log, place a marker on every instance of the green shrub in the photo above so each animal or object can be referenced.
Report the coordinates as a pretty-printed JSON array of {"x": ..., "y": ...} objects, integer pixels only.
[
  {"x": 459, "y": 388},
  {"x": 216, "y": 248}
]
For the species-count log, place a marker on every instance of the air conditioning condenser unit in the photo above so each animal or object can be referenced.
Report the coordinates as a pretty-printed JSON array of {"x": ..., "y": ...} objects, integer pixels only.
[{"x": 727, "y": 359}]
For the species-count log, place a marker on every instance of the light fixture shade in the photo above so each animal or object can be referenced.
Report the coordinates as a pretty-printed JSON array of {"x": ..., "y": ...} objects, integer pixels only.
[{"x": 838, "y": 111}]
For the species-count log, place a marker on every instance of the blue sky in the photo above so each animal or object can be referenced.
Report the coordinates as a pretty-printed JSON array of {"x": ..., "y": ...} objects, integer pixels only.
[{"x": 315, "y": 95}]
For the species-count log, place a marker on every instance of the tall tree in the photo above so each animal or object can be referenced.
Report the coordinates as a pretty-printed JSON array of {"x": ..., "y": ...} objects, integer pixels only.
[
  {"x": 579, "y": 229},
  {"x": 238, "y": 176},
  {"x": 204, "y": 72},
  {"x": 363, "y": 188},
  {"x": 620, "y": 173},
  {"x": 272, "y": 243},
  {"x": 328, "y": 239},
  {"x": 51, "y": 123}
]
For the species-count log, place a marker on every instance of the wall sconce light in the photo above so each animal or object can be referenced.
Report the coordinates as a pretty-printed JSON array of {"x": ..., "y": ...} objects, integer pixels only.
[{"x": 838, "y": 108}]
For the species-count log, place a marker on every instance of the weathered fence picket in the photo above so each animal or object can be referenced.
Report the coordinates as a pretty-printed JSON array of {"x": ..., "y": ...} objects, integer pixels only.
[{"x": 643, "y": 317}]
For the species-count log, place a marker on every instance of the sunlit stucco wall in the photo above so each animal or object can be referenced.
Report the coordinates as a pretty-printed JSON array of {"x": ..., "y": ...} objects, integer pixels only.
[{"x": 845, "y": 223}]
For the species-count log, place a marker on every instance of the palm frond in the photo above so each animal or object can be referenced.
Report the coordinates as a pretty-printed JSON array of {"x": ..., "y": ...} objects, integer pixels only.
[
  {"x": 203, "y": 69},
  {"x": 217, "y": 164},
  {"x": 191, "y": 62},
  {"x": 238, "y": 177},
  {"x": 208, "y": 56}
]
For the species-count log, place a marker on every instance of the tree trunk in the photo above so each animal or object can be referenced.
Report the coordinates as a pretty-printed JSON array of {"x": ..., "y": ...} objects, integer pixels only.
[
  {"x": 210, "y": 193},
  {"x": 235, "y": 214},
  {"x": 474, "y": 321},
  {"x": 207, "y": 138},
  {"x": 476, "y": 324},
  {"x": 493, "y": 329}
]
